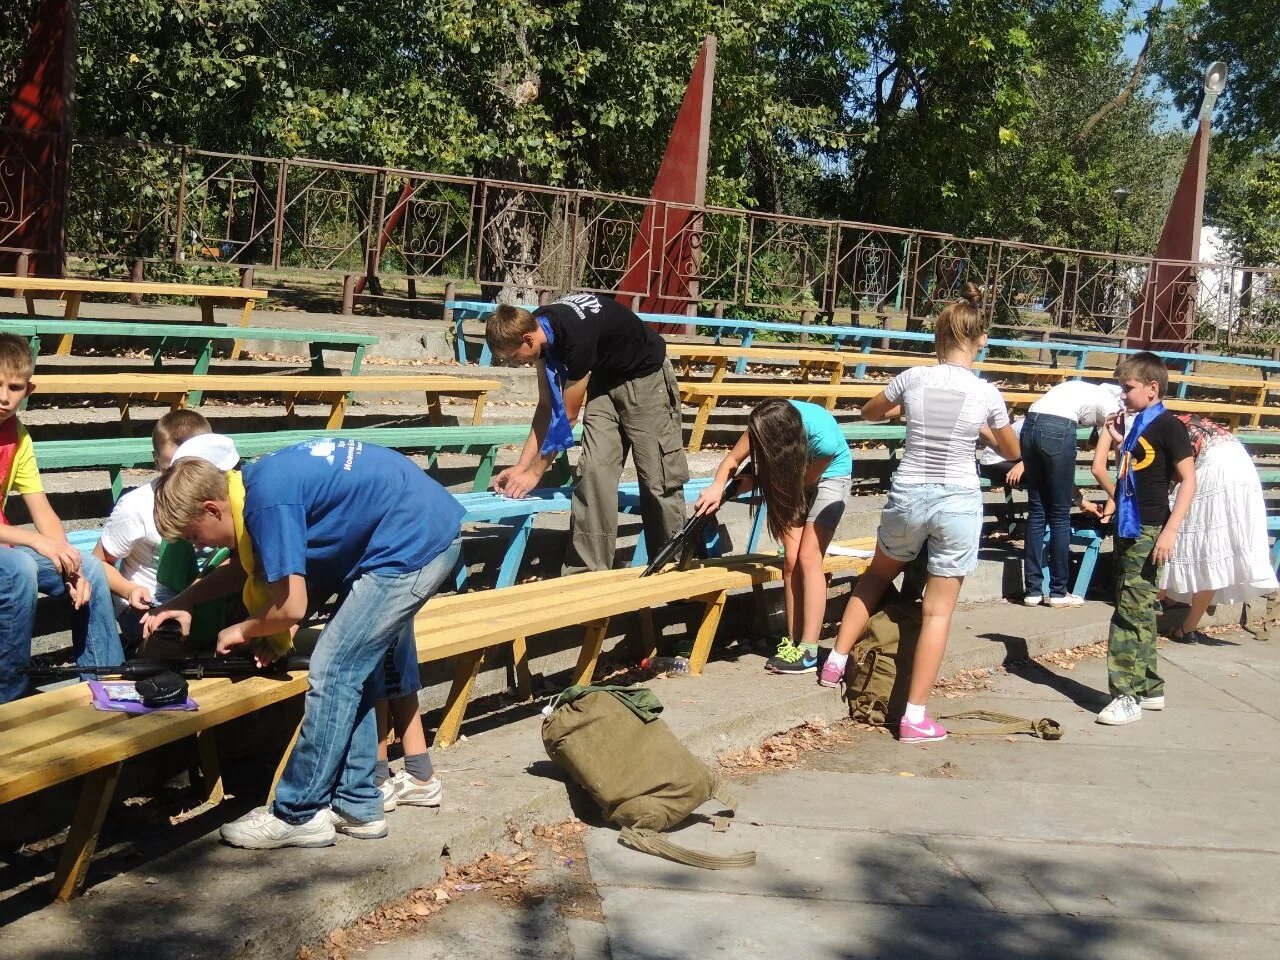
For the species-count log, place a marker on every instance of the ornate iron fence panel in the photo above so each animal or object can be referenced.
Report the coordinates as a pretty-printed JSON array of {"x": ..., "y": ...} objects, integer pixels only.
[
  {"x": 326, "y": 216},
  {"x": 941, "y": 266},
  {"x": 526, "y": 239},
  {"x": 123, "y": 200},
  {"x": 28, "y": 184},
  {"x": 1107, "y": 291},
  {"x": 1256, "y": 314},
  {"x": 227, "y": 209},
  {"x": 607, "y": 230},
  {"x": 872, "y": 269},
  {"x": 706, "y": 248},
  {"x": 1030, "y": 286},
  {"x": 788, "y": 262},
  {"x": 428, "y": 225}
]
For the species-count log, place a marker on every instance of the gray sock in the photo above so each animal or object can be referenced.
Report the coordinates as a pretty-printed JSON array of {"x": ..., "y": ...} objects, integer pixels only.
[
  {"x": 381, "y": 772},
  {"x": 418, "y": 766}
]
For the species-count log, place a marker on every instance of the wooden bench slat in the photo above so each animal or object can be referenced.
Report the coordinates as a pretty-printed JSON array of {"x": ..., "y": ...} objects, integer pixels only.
[{"x": 142, "y": 288}]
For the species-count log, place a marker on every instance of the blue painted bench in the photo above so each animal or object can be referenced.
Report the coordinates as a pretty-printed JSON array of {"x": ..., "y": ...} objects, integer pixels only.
[{"x": 866, "y": 338}]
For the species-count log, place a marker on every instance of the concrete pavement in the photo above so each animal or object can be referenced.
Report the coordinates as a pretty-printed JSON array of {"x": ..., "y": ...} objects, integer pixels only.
[{"x": 1156, "y": 840}]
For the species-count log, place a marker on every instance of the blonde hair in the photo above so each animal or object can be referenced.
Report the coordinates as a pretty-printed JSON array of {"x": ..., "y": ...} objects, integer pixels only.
[
  {"x": 1145, "y": 367},
  {"x": 959, "y": 325},
  {"x": 505, "y": 328},
  {"x": 178, "y": 426},
  {"x": 181, "y": 493},
  {"x": 15, "y": 357}
]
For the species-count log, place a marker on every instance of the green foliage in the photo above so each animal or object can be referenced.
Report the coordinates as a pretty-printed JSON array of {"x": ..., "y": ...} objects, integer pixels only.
[{"x": 960, "y": 116}]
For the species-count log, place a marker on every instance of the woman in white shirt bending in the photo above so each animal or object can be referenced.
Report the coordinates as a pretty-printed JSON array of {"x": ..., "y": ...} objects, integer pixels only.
[{"x": 935, "y": 501}]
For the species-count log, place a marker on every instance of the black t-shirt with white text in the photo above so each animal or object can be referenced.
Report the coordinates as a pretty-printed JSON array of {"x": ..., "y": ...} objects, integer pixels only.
[
  {"x": 597, "y": 335},
  {"x": 1163, "y": 444}
]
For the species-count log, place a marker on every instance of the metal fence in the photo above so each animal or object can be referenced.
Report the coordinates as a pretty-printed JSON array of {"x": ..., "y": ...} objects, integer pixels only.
[{"x": 133, "y": 203}]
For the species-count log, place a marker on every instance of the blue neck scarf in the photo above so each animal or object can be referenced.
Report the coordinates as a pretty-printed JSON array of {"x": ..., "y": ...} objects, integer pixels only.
[
  {"x": 559, "y": 431},
  {"x": 1128, "y": 524}
]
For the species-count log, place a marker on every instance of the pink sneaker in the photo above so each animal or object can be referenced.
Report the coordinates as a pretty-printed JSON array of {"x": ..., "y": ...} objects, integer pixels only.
[
  {"x": 926, "y": 731},
  {"x": 831, "y": 675}
]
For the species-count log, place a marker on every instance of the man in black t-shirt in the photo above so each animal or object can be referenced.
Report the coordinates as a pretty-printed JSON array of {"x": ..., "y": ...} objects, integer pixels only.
[
  {"x": 1155, "y": 454},
  {"x": 593, "y": 352}
]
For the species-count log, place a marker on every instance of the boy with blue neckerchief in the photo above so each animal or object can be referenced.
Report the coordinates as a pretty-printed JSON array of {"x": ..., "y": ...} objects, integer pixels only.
[
  {"x": 1154, "y": 453},
  {"x": 593, "y": 352}
]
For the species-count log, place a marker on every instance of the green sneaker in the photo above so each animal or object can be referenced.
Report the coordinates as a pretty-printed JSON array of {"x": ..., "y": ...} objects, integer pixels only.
[{"x": 791, "y": 659}]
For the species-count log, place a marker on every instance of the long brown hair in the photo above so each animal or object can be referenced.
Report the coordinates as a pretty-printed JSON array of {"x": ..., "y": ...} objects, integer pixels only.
[{"x": 780, "y": 457}]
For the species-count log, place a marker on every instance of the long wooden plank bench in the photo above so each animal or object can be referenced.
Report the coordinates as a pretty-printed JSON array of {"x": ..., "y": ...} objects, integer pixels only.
[
  {"x": 706, "y": 396},
  {"x": 57, "y": 736},
  {"x": 72, "y": 290},
  {"x": 172, "y": 389}
]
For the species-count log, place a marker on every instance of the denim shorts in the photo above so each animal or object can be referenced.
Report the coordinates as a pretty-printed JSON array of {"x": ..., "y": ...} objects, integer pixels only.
[
  {"x": 825, "y": 501},
  {"x": 945, "y": 517}
]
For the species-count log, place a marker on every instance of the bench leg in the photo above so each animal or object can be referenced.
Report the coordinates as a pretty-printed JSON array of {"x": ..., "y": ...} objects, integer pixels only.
[
  {"x": 81, "y": 841},
  {"x": 434, "y": 411},
  {"x": 72, "y": 312},
  {"x": 196, "y": 397},
  {"x": 648, "y": 635},
  {"x": 484, "y": 470},
  {"x": 336, "y": 413},
  {"x": 464, "y": 678},
  {"x": 31, "y": 303},
  {"x": 720, "y": 369},
  {"x": 700, "y": 424},
  {"x": 520, "y": 658},
  {"x": 206, "y": 311},
  {"x": 590, "y": 653},
  {"x": 514, "y": 554},
  {"x": 238, "y": 345},
  {"x": 707, "y": 631},
  {"x": 477, "y": 415},
  {"x": 1084, "y": 576},
  {"x": 210, "y": 769},
  {"x": 284, "y": 758}
]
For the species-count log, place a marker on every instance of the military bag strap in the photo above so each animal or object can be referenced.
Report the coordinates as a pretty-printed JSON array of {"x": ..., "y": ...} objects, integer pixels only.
[
  {"x": 652, "y": 842},
  {"x": 1006, "y": 723}
]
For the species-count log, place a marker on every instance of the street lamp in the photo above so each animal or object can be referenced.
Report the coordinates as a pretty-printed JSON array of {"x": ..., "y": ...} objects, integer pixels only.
[{"x": 1119, "y": 195}]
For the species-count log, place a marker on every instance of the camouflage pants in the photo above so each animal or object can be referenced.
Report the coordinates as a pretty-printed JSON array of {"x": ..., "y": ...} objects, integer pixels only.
[{"x": 1131, "y": 644}]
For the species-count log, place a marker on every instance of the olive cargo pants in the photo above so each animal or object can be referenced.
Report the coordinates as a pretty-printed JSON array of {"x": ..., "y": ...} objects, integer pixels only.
[
  {"x": 643, "y": 416},
  {"x": 1131, "y": 644}
]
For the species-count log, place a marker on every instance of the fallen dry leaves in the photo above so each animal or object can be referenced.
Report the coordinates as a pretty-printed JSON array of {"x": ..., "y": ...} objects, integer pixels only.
[
  {"x": 1067, "y": 659},
  {"x": 966, "y": 682},
  {"x": 782, "y": 751}
]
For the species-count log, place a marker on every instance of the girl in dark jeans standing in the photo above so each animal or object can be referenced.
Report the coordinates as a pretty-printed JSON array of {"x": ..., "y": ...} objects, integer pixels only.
[{"x": 1048, "y": 476}]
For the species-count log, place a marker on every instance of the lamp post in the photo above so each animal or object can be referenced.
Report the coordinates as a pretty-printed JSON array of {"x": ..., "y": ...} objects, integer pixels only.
[{"x": 1119, "y": 195}]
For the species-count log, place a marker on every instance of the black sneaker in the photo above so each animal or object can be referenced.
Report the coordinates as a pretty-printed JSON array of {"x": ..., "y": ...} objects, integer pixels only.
[{"x": 791, "y": 659}]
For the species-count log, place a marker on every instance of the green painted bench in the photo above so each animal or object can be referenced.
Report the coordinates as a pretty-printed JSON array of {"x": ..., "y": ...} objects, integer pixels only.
[
  {"x": 198, "y": 337},
  {"x": 116, "y": 454}
]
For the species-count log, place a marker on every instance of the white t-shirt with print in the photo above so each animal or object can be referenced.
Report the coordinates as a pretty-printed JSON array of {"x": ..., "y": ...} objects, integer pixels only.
[
  {"x": 130, "y": 535},
  {"x": 944, "y": 406}
]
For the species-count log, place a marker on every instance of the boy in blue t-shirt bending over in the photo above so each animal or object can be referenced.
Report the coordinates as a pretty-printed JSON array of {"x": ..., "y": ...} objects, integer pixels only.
[{"x": 316, "y": 519}]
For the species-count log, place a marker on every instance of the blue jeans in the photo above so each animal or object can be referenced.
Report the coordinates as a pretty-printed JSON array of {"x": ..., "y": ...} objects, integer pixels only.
[
  {"x": 1049, "y": 477},
  {"x": 333, "y": 761},
  {"x": 24, "y": 575}
]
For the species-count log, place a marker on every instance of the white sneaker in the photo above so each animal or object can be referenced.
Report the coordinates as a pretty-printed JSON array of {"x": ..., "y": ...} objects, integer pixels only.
[
  {"x": 1070, "y": 600},
  {"x": 388, "y": 790},
  {"x": 1120, "y": 711},
  {"x": 360, "y": 829},
  {"x": 411, "y": 792},
  {"x": 1152, "y": 703},
  {"x": 1032, "y": 600},
  {"x": 261, "y": 829}
]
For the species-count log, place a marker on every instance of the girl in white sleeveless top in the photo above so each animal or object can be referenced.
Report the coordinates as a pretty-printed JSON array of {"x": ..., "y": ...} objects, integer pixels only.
[{"x": 935, "y": 502}]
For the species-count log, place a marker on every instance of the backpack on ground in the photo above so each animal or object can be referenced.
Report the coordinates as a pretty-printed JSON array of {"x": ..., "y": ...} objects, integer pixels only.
[
  {"x": 877, "y": 691},
  {"x": 611, "y": 742}
]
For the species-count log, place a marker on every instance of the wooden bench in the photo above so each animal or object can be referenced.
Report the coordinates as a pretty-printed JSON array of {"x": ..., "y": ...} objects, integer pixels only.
[
  {"x": 197, "y": 337},
  {"x": 73, "y": 289},
  {"x": 57, "y": 736},
  {"x": 116, "y": 454},
  {"x": 172, "y": 389},
  {"x": 707, "y": 395}
]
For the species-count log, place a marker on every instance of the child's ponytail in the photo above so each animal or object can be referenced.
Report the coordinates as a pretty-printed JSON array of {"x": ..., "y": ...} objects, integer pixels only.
[{"x": 780, "y": 455}]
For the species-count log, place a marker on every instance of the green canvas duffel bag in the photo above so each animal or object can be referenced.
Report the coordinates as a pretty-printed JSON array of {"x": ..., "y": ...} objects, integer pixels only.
[
  {"x": 877, "y": 691},
  {"x": 611, "y": 742}
]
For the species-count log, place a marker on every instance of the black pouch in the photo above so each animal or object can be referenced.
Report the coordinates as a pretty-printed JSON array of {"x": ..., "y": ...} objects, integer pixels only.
[{"x": 162, "y": 690}]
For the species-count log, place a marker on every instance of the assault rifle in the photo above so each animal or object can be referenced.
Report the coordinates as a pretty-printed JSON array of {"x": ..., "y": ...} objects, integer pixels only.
[
  {"x": 686, "y": 538},
  {"x": 194, "y": 668}
]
